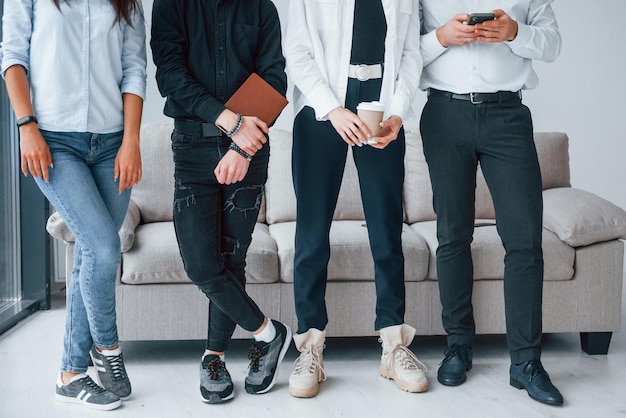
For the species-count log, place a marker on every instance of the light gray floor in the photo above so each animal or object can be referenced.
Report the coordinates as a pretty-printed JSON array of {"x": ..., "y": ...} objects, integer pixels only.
[{"x": 165, "y": 380}]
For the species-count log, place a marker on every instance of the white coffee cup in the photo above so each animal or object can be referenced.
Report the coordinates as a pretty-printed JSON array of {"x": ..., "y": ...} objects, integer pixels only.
[{"x": 371, "y": 113}]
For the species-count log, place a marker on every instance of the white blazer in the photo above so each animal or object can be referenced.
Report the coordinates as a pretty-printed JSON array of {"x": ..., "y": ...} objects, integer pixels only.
[{"x": 318, "y": 44}]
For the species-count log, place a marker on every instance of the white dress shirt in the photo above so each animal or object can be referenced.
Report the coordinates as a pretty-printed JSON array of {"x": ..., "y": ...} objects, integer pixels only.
[
  {"x": 488, "y": 67},
  {"x": 318, "y": 45},
  {"x": 79, "y": 61}
]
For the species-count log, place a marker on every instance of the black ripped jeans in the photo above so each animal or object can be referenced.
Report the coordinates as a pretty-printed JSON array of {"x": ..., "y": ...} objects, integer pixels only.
[{"x": 214, "y": 224}]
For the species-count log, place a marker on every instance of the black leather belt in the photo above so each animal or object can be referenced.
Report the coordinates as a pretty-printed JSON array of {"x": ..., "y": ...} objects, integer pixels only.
[
  {"x": 192, "y": 127},
  {"x": 478, "y": 98}
]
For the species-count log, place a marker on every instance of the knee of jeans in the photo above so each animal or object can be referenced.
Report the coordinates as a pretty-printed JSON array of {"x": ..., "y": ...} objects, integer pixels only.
[
  {"x": 234, "y": 252},
  {"x": 104, "y": 252},
  {"x": 245, "y": 199}
]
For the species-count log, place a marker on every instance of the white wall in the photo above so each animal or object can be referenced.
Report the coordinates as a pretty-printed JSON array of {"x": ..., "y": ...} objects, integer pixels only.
[{"x": 583, "y": 93}]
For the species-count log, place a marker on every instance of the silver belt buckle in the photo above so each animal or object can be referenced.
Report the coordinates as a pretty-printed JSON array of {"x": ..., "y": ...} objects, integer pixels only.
[
  {"x": 363, "y": 72},
  {"x": 473, "y": 100}
]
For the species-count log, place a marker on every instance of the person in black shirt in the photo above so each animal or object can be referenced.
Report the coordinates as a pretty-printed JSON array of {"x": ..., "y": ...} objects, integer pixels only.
[{"x": 204, "y": 51}]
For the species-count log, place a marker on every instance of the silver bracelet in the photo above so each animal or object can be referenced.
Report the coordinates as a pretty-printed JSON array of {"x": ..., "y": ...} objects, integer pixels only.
[{"x": 233, "y": 131}]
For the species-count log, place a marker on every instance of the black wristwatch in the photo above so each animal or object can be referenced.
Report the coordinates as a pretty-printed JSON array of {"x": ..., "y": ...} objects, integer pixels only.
[{"x": 25, "y": 120}]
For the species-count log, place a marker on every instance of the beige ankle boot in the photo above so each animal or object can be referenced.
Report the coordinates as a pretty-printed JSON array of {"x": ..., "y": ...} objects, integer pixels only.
[
  {"x": 398, "y": 363},
  {"x": 308, "y": 370}
]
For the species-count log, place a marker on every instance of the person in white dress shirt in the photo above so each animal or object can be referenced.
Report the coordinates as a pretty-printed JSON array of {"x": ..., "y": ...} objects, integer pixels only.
[{"x": 474, "y": 75}]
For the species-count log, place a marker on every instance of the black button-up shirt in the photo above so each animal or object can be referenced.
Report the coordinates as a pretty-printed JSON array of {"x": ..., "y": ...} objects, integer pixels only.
[{"x": 205, "y": 49}]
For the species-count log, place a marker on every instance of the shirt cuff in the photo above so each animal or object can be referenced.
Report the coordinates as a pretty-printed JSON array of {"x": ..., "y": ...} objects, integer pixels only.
[
  {"x": 134, "y": 85},
  {"x": 523, "y": 35},
  {"x": 9, "y": 59},
  {"x": 430, "y": 47}
]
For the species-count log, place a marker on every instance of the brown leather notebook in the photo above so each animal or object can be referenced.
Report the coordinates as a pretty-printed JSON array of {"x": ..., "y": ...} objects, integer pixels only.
[{"x": 256, "y": 97}]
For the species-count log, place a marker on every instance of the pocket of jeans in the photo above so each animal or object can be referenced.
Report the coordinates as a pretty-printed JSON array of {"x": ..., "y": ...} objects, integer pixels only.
[{"x": 181, "y": 141}]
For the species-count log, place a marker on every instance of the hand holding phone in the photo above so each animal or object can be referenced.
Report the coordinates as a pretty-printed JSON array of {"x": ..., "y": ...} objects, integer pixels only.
[{"x": 475, "y": 18}]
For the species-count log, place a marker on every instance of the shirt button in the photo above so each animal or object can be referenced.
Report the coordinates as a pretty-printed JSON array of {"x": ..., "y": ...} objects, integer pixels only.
[
  {"x": 221, "y": 72},
  {"x": 222, "y": 98},
  {"x": 220, "y": 48}
]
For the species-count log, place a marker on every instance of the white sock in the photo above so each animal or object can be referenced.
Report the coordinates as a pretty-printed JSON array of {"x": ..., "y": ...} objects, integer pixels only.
[
  {"x": 268, "y": 334},
  {"x": 115, "y": 352}
]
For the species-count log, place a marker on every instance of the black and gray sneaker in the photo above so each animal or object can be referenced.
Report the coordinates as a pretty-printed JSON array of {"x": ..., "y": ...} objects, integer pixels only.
[
  {"x": 216, "y": 385},
  {"x": 81, "y": 389},
  {"x": 111, "y": 371},
  {"x": 265, "y": 359}
]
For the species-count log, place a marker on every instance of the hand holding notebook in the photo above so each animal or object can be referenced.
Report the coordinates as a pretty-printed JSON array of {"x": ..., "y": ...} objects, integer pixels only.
[{"x": 256, "y": 97}]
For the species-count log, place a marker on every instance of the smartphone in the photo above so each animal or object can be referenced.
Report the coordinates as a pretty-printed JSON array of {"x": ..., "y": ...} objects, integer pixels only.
[{"x": 475, "y": 18}]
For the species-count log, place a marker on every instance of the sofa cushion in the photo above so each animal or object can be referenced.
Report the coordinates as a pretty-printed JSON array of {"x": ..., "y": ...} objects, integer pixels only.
[
  {"x": 155, "y": 257},
  {"x": 488, "y": 252},
  {"x": 350, "y": 254},
  {"x": 552, "y": 150},
  {"x": 582, "y": 218},
  {"x": 279, "y": 193}
]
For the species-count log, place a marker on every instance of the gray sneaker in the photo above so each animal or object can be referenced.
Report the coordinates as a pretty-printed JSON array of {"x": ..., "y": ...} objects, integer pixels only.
[
  {"x": 81, "y": 389},
  {"x": 111, "y": 371},
  {"x": 216, "y": 385},
  {"x": 265, "y": 359}
]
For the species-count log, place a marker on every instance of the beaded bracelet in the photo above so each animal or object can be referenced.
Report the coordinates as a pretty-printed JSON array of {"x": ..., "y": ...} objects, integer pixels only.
[
  {"x": 239, "y": 151},
  {"x": 233, "y": 131}
]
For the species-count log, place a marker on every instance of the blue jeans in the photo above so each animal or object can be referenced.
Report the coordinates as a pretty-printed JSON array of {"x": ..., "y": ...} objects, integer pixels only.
[
  {"x": 318, "y": 160},
  {"x": 458, "y": 135},
  {"x": 214, "y": 224},
  {"x": 82, "y": 190}
]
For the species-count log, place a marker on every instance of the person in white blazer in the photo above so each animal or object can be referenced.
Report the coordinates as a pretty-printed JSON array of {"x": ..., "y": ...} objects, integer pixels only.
[{"x": 341, "y": 53}]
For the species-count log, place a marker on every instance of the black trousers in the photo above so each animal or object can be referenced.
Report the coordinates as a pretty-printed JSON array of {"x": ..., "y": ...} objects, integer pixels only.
[
  {"x": 318, "y": 160},
  {"x": 214, "y": 224},
  {"x": 457, "y": 136}
]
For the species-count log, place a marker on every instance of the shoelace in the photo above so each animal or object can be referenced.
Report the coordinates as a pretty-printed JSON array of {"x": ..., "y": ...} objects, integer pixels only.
[
  {"x": 92, "y": 386},
  {"x": 535, "y": 369},
  {"x": 117, "y": 366},
  {"x": 454, "y": 350},
  {"x": 308, "y": 361},
  {"x": 407, "y": 359},
  {"x": 254, "y": 355},
  {"x": 216, "y": 369}
]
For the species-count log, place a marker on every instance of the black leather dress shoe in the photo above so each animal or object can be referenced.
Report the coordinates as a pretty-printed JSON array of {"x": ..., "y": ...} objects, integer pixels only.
[
  {"x": 453, "y": 368},
  {"x": 532, "y": 376}
]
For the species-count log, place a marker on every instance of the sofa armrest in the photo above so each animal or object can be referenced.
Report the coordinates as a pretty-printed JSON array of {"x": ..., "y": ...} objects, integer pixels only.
[
  {"x": 58, "y": 229},
  {"x": 581, "y": 218}
]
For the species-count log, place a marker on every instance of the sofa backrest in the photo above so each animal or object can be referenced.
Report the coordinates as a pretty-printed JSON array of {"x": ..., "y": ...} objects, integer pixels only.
[
  {"x": 154, "y": 194},
  {"x": 552, "y": 150},
  {"x": 279, "y": 193}
]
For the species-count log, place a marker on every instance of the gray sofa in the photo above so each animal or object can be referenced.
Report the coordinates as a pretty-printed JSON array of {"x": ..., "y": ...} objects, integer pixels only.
[{"x": 584, "y": 256}]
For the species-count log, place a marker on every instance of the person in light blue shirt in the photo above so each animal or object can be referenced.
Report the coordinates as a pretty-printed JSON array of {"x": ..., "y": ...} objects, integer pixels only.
[{"x": 75, "y": 72}]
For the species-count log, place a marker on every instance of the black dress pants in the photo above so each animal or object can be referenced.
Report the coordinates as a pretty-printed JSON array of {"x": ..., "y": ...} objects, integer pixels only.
[{"x": 458, "y": 135}]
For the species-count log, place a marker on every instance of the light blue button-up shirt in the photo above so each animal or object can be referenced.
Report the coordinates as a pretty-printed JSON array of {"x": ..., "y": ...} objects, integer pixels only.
[{"x": 79, "y": 60}]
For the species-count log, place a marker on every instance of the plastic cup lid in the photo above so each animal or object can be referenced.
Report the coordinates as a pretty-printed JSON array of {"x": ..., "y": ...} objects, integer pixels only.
[{"x": 375, "y": 106}]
